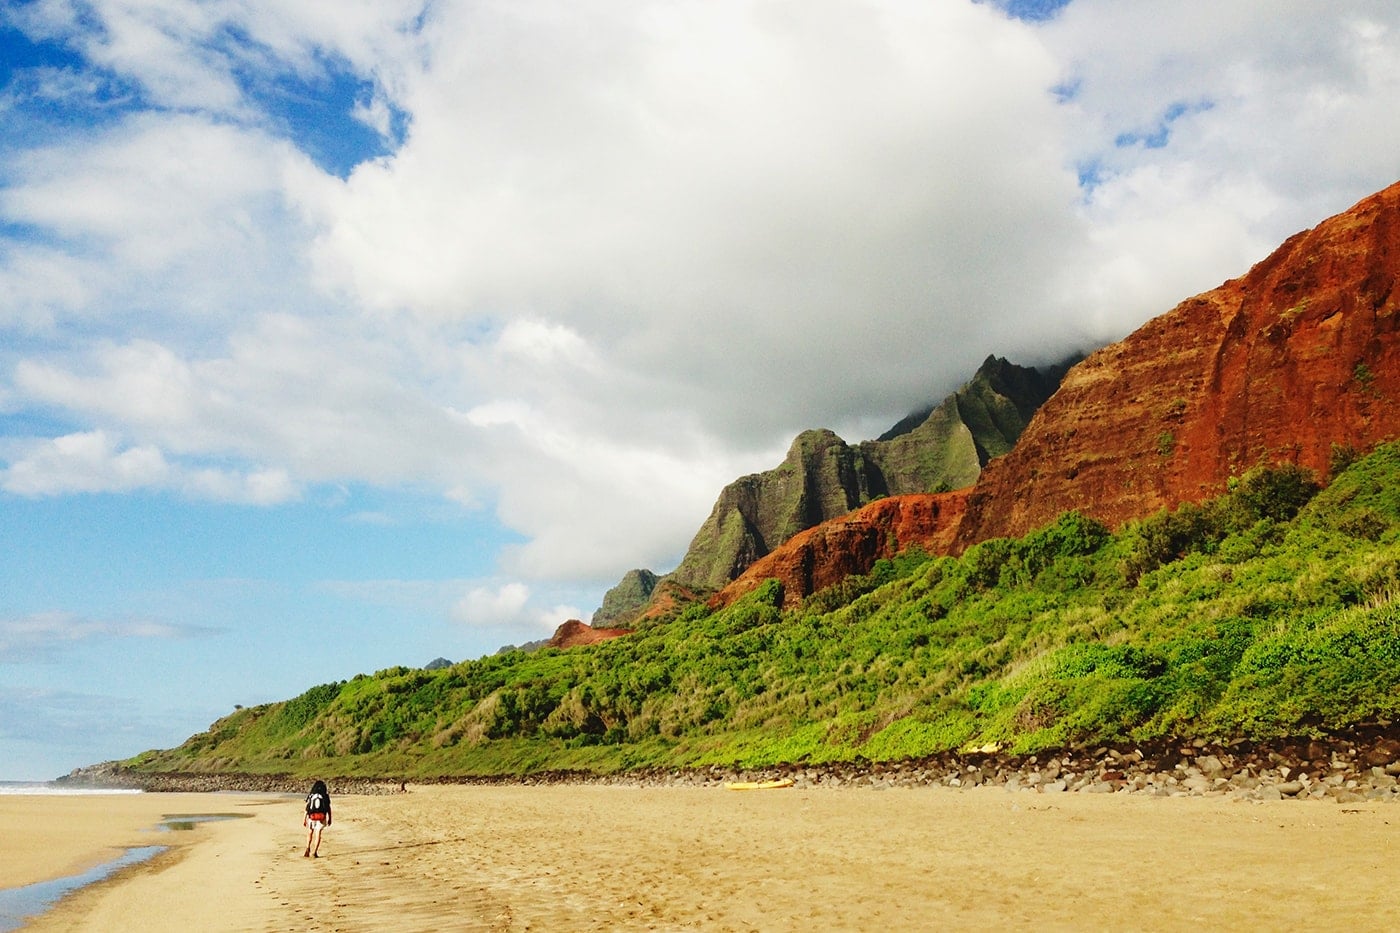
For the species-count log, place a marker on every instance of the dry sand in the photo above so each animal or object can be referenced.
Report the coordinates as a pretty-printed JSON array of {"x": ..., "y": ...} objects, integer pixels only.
[{"x": 570, "y": 858}]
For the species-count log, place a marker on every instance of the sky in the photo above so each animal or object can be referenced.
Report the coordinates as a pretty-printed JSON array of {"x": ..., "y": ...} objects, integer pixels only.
[{"x": 338, "y": 336}]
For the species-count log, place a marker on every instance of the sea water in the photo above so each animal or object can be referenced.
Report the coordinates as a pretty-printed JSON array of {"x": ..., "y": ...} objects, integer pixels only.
[
  {"x": 48, "y": 787},
  {"x": 20, "y": 904}
]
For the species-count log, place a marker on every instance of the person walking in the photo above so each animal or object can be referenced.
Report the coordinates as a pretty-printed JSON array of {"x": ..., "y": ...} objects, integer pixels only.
[{"x": 318, "y": 817}]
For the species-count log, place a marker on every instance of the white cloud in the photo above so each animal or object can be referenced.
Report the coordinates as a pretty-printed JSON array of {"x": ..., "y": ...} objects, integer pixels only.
[
  {"x": 1268, "y": 118},
  {"x": 711, "y": 193},
  {"x": 488, "y": 606},
  {"x": 163, "y": 223},
  {"x": 42, "y": 285},
  {"x": 86, "y": 462},
  {"x": 326, "y": 406},
  {"x": 509, "y": 611},
  {"x": 152, "y": 189},
  {"x": 257, "y": 487},
  {"x": 625, "y": 253},
  {"x": 95, "y": 462},
  {"x": 43, "y": 634},
  {"x": 183, "y": 56},
  {"x": 1137, "y": 259}
]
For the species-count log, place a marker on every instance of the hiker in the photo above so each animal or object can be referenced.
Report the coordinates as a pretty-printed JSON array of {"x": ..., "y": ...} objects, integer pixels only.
[{"x": 318, "y": 817}]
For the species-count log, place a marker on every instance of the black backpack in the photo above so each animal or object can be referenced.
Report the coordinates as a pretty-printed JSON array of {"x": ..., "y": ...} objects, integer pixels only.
[{"x": 316, "y": 803}]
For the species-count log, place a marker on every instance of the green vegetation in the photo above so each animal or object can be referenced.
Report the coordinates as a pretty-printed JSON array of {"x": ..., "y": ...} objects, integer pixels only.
[
  {"x": 1273, "y": 610},
  {"x": 1365, "y": 377},
  {"x": 823, "y": 477}
]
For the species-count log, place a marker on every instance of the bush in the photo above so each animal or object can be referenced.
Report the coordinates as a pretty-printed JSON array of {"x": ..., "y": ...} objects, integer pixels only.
[
  {"x": 1276, "y": 493},
  {"x": 1271, "y": 494},
  {"x": 1243, "y": 616}
]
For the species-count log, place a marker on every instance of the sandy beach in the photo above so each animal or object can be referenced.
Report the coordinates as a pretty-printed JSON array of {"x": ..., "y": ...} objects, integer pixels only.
[{"x": 567, "y": 858}]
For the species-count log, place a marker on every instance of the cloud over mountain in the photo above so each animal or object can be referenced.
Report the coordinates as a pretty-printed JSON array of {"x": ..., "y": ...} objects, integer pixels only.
[{"x": 592, "y": 264}]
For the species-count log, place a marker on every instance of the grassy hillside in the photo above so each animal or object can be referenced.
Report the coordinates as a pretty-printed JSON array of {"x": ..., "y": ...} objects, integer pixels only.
[{"x": 1274, "y": 610}]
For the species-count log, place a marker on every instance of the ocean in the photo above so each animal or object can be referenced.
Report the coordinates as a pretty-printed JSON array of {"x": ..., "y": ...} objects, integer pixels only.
[{"x": 48, "y": 787}]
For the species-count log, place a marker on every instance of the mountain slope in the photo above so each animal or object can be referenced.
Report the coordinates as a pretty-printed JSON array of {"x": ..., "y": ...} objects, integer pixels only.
[
  {"x": 1272, "y": 612},
  {"x": 629, "y": 596},
  {"x": 851, "y": 545},
  {"x": 822, "y": 477},
  {"x": 1296, "y": 359},
  {"x": 1296, "y": 362}
]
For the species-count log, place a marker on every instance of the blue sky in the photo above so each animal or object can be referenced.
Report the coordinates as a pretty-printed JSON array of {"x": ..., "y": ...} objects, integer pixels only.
[{"x": 337, "y": 337}]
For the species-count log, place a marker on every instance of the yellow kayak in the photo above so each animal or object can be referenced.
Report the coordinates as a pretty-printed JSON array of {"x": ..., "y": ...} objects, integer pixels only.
[{"x": 759, "y": 785}]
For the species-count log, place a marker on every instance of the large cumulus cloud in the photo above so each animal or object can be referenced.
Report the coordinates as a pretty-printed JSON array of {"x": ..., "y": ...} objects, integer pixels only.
[{"x": 609, "y": 257}]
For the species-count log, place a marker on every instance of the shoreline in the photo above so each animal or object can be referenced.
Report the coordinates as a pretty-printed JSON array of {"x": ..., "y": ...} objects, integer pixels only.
[
  {"x": 600, "y": 857},
  {"x": 1361, "y": 765},
  {"x": 51, "y": 836}
]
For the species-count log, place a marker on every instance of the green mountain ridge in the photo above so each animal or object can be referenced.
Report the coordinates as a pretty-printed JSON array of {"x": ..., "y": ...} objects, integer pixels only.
[
  {"x": 1271, "y": 611},
  {"x": 822, "y": 477}
]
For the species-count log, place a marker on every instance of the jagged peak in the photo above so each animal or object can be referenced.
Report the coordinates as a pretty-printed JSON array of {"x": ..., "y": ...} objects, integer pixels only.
[
  {"x": 1028, "y": 386},
  {"x": 812, "y": 441},
  {"x": 822, "y": 477}
]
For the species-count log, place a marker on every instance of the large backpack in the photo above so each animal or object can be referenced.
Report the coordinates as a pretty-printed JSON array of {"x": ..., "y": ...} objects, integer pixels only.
[{"x": 315, "y": 803}]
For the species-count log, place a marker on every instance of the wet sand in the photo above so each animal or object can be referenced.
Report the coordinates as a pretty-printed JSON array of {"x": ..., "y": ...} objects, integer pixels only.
[{"x": 566, "y": 858}]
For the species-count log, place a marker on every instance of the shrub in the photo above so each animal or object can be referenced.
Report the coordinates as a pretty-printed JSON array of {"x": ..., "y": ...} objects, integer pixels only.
[
  {"x": 1276, "y": 493},
  {"x": 1245, "y": 617}
]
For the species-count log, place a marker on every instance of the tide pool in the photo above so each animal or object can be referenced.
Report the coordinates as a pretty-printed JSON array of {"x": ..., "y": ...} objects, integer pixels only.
[{"x": 20, "y": 904}]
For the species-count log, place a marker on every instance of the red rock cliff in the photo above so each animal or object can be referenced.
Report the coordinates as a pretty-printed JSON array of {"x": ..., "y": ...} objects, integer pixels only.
[
  {"x": 1300, "y": 354},
  {"x": 574, "y": 633},
  {"x": 851, "y": 544}
]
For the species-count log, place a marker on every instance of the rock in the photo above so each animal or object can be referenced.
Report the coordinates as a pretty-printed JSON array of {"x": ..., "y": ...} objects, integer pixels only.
[
  {"x": 1290, "y": 788},
  {"x": 850, "y": 545},
  {"x": 1384, "y": 752},
  {"x": 628, "y": 597},
  {"x": 1209, "y": 765},
  {"x": 823, "y": 478},
  {"x": 1173, "y": 411},
  {"x": 574, "y": 633}
]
